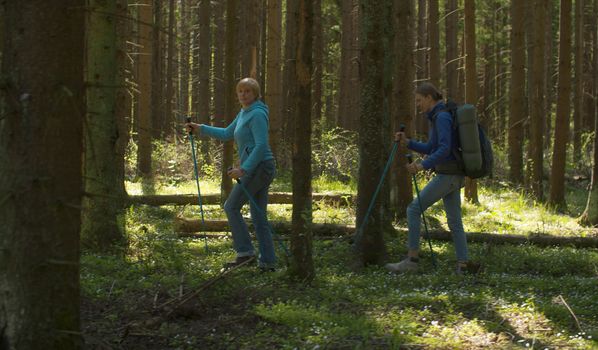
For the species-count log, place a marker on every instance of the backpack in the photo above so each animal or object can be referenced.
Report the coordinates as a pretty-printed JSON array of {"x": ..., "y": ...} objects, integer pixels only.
[{"x": 474, "y": 150}]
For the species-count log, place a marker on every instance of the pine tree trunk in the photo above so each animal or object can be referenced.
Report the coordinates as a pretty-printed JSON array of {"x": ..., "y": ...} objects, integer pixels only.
[
  {"x": 168, "y": 119},
  {"x": 318, "y": 57},
  {"x": 184, "y": 65},
  {"x": 590, "y": 215},
  {"x": 561, "y": 127},
  {"x": 518, "y": 114},
  {"x": 537, "y": 104},
  {"x": 471, "y": 83},
  {"x": 42, "y": 114},
  {"x": 204, "y": 56},
  {"x": 434, "y": 42},
  {"x": 402, "y": 102},
  {"x": 549, "y": 63},
  {"x": 421, "y": 64},
  {"x": 218, "y": 81},
  {"x": 587, "y": 121},
  {"x": 273, "y": 95},
  {"x": 348, "y": 107},
  {"x": 146, "y": 93},
  {"x": 301, "y": 238},
  {"x": 230, "y": 101},
  {"x": 157, "y": 71},
  {"x": 289, "y": 83},
  {"x": 375, "y": 28},
  {"x": 102, "y": 222},
  {"x": 451, "y": 17},
  {"x": 578, "y": 81}
]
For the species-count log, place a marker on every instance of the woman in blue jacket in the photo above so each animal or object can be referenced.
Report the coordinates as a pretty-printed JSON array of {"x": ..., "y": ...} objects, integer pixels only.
[
  {"x": 256, "y": 172},
  {"x": 446, "y": 185}
]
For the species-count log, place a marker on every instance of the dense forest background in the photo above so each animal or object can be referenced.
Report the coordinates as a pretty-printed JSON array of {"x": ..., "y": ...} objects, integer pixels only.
[{"x": 94, "y": 95}]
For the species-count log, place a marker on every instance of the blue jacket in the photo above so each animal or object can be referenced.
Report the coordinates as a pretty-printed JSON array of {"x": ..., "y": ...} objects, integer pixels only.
[
  {"x": 250, "y": 131},
  {"x": 442, "y": 139}
]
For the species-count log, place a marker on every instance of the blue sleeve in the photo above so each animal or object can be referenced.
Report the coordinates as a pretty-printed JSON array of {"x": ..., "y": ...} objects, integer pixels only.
[
  {"x": 444, "y": 130},
  {"x": 420, "y": 147},
  {"x": 259, "y": 130},
  {"x": 223, "y": 134}
]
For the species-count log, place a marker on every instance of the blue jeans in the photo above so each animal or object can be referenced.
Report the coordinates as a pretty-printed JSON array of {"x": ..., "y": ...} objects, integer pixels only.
[
  {"x": 447, "y": 188},
  {"x": 257, "y": 184}
]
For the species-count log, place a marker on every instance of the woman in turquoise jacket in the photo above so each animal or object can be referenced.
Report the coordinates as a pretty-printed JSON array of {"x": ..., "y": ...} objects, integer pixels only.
[{"x": 256, "y": 172}]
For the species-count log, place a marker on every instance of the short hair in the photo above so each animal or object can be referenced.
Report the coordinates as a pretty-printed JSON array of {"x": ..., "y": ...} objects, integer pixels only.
[
  {"x": 252, "y": 84},
  {"x": 428, "y": 89}
]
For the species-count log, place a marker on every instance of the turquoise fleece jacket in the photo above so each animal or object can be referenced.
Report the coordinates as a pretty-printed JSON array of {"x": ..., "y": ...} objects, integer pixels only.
[
  {"x": 250, "y": 131},
  {"x": 442, "y": 138}
]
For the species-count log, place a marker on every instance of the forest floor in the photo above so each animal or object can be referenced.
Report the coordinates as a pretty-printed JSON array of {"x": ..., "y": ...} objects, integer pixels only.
[{"x": 525, "y": 297}]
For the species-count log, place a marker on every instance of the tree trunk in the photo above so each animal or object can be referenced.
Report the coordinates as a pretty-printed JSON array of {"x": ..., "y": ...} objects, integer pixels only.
[
  {"x": 341, "y": 200},
  {"x": 168, "y": 119},
  {"x": 421, "y": 64},
  {"x": 517, "y": 115},
  {"x": 318, "y": 57},
  {"x": 42, "y": 114},
  {"x": 348, "y": 106},
  {"x": 590, "y": 214},
  {"x": 402, "y": 102},
  {"x": 102, "y": 221},
  {"x": 249, "y": 34},
  {"x": 230, "y": 102},
  {"x": 561, "y": 127},
  {"x": 184, "y": 63},
  {"x": 587, "y": 121},
  {"x": 273, "y": 89},
  {"x": 549, "y": 63},
  {"x": 289, "y": 83},
  {"x": 146, "y": 96},
  {"x": 536, "y": 153},
  {"x": 471, "y": 83},
  {"x": 434, "y": 42},
  {"x": 219, "y": 54},
  {"x": 578, "y": 82},
  {"x": 157, "y": 71},
  {"x": 451, "y": 17},
  {"x": 204, "y": 56},
  {"x": 375, "y": 33},
  {"x": 302, "y": 265}
]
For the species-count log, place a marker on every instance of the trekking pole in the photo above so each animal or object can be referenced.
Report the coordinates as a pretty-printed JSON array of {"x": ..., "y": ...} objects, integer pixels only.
[
  {"x": 421, "y": 209},
  {"x": 359, "y": 232},
  {"x": 203, "y": 224},
  {"x": 259, "y": 210}
]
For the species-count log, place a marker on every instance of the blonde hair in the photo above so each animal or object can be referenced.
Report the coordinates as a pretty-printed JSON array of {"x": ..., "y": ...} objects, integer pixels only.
[{"x": 252, "y": 84}]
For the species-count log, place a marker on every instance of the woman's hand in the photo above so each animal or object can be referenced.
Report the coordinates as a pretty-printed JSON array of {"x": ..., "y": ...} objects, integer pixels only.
[
  {"x": 236, "y": 173},
  {"x": 414, "y": 168},
  {"x": 400, "y": 137},
  {"x": 191, "y": 127}
]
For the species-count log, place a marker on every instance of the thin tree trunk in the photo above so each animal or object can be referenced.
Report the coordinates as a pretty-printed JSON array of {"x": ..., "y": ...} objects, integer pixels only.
[
  {"x": 421, "y": 63},
  {"x": 289, "y": 81},
  {"x": 42, "y": 114},
  {"x": 184, "y": 65},
  {"x": 517, "y": 109},
  {"x": 218, "y": 62},
  {"x": 587, "y": 121},
  {"x": 204, "y": 56},
  {"x": 230, "y": 103},
  {"x": 318, "y": 57},
  {"x": 471, "y": 83},
  {"x": 451, "y": 17},
  {"x": 146, "y": 90},
  {"x": 561, "y": 127},
  {"x": 549, "y": 63},
  {"x": 102, "y": 224},
  {"x": 273, "y": 89},
  {"x": 167, "y": 121},
  {"x": 157, "y": 72},
  {"x": 537, "y": 104},
  {"x": 348, "y": 107},
  {"x": 434, "y": 42},
  {"x": 578, "y": 82},
  {"x": 301, "y": 239}
]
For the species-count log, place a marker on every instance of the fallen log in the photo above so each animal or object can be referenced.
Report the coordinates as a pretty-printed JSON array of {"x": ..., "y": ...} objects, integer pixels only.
[
  {"x": 191, "y": 199},
  {"x": 185, "y": 227}
]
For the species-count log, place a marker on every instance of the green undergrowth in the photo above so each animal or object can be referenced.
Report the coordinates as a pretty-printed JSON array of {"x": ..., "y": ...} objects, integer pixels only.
[{"x": 520, "y": 300}]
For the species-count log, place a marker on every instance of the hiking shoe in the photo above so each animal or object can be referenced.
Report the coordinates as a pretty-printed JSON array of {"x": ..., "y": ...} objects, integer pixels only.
[
  {"x": 468, "y": 268},
  {"x": 238, "y": 261},
  {"x": 408, "y": 264}
]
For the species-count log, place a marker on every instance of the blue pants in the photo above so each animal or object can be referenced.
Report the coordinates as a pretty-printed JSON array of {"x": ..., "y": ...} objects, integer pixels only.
[
  {"x": 257, "y": 184},
  {"x": 447, "y": 188}
]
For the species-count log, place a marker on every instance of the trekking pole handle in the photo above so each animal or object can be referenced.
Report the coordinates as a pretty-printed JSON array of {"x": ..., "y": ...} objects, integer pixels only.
[{"x": 189, "y": 121}]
